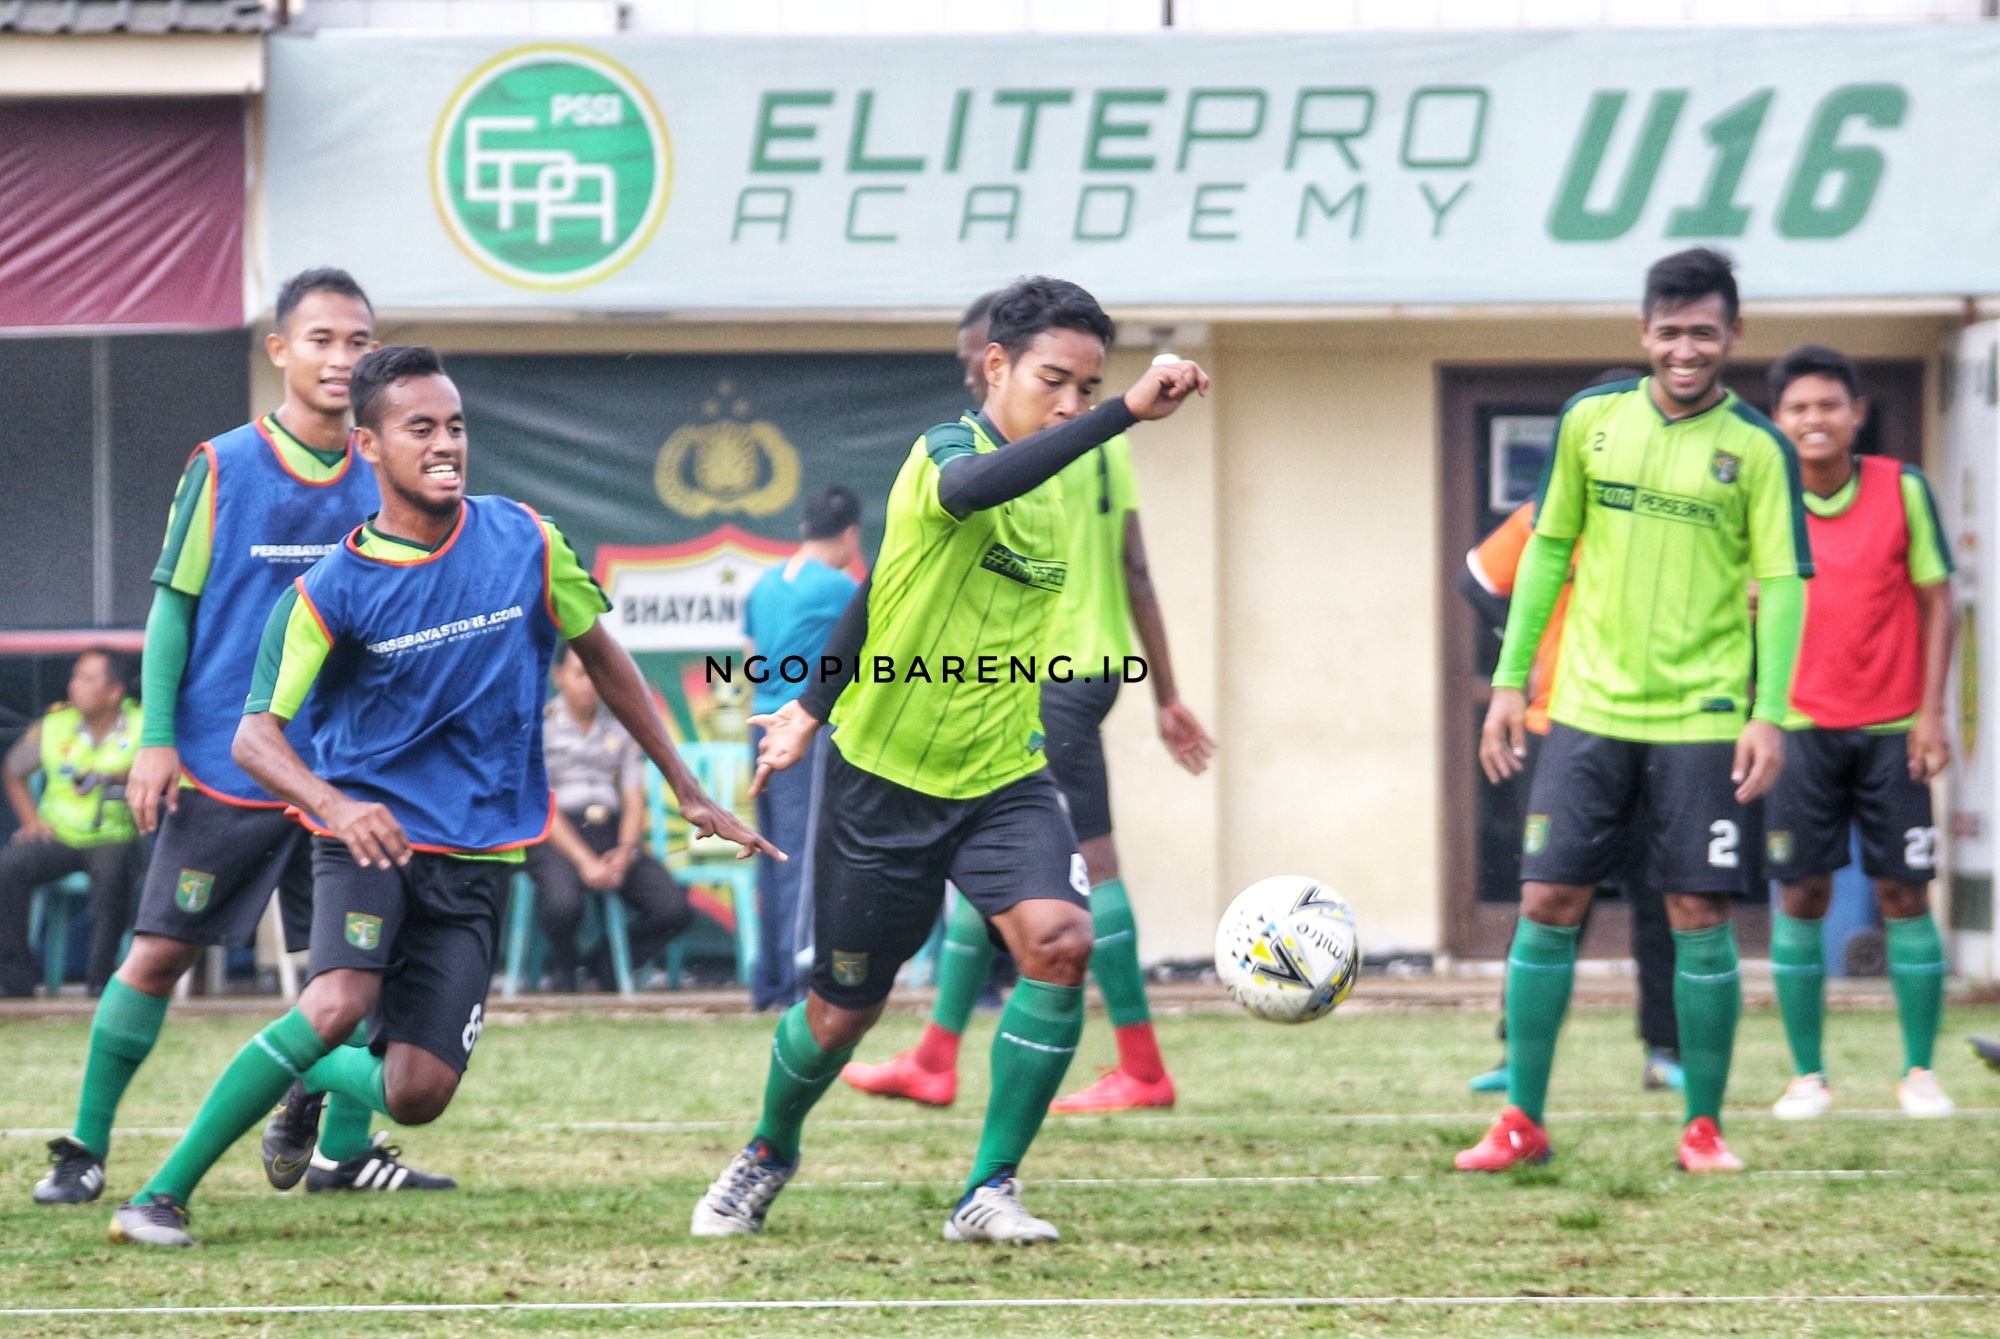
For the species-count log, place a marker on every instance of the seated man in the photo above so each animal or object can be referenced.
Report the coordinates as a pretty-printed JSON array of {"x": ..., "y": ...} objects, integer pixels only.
[
  {"x": 599, "y": 779},
  {"x": 83, "y": 748}
]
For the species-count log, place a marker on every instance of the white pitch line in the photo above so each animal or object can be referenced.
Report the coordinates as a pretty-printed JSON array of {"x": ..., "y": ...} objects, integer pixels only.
[
  {"x": 1294, "y": 1118},
  {"x": 1301, "y": 1117},
  {"x": 1087, "y": 1182},
  {"x": 1010, "y": 1303}
]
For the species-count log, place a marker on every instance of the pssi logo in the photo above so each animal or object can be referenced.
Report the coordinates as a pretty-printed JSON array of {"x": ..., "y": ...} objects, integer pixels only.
[{"x": 551, "y": 166}]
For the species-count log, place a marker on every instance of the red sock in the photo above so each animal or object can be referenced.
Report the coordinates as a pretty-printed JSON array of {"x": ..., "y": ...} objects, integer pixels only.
[
  {"x": 1139, "y": 1052},
  {"x": 938, "y": 1051}
]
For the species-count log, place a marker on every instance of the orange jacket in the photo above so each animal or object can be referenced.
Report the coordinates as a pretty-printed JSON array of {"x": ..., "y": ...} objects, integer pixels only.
[{"x": 1493, "y": 564}]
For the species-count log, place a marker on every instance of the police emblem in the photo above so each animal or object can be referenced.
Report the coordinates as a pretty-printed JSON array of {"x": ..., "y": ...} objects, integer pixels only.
[
  {"x": 850, "y": 969},
  {"x": 1535, "y": 837},
  {"x": 364, "y": 932},
  {"x": 1724, "y": 467},
  {"x": 192, "y": 892},
  {"x": 1778, "y": 845}
]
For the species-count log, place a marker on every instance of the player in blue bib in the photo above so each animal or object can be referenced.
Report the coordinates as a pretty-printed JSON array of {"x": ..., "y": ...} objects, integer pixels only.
[
  {"x": 256, "y": 507},
  {"x": 423, "y": 642}
]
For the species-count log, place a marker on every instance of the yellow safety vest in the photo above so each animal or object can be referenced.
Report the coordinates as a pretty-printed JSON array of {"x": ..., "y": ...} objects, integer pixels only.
[{"x": 74, "y": 804}]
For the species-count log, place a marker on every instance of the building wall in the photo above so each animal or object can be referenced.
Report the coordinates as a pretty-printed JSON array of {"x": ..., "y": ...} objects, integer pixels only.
[{"x": 1291, "y": 522}]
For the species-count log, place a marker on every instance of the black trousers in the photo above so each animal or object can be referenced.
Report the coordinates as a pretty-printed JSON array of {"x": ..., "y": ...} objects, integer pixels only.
[
  {"x": 657, "y": 905},
  {"x": 115, "y": 870}
]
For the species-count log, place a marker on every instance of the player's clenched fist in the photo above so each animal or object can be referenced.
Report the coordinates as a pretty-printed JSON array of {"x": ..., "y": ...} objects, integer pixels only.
[{"x": 1163, "y": 389}]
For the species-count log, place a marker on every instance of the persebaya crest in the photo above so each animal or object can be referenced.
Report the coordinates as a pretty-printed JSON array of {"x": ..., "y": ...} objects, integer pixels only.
[{"x": 727, "y": 464}]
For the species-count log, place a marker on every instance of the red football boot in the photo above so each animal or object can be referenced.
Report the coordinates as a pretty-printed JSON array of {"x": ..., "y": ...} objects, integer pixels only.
[
  {"x": 904, "y": 1077},
  {"x": 1117, "y": 1091},
  {"x": 1702, "y": 1149},
  {"x": 1513, "y": 1141}
]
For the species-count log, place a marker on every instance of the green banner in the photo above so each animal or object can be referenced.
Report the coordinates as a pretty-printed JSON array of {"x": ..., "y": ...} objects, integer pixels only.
[{"x": 652, "y": 174}]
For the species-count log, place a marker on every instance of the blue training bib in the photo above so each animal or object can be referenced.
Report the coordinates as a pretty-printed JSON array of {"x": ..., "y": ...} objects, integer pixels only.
[
  {"x": 431, "y": 699},
  {"x": 270, "y": 525}
]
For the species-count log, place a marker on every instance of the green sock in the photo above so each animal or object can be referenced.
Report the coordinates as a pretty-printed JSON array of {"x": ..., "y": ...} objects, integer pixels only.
[
  {"x": 1114, "y": 954},
  {"x": 351, "y": 1077},
  {"x": 254, "y": 1082},
  {"x": 800, "y": 1073},
  {"x": 1798, "y": 971},
  {"x": 1708, "y": 996},
  {"x": 1038, "y": 1034},
  {"x": 121, "y": 1037},
  {"x": 1541, "y": 964},
  {"x": 962, "y": 966},
  {"x": 1916, "y": 972},
  {"x": 345, "y": 1128}
]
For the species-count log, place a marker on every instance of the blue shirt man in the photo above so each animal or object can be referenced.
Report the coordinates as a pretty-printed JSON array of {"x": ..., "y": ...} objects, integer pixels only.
[{"x": 788, "y": 618}]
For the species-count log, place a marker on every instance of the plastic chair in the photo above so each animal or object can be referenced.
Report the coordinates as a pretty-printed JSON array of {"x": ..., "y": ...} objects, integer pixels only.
[
  {"x": 527, "y": 946},
  {"x": 724, "y": 771},
  {"x": 48, "y": 919}
]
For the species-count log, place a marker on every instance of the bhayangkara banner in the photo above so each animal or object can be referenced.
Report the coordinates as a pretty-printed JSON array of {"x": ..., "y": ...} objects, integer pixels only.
[{"x": 651, "y": 174}]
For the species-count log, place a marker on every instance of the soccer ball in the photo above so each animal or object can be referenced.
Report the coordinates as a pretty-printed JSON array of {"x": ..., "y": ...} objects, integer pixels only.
[{"x": 1286, "y": 949}]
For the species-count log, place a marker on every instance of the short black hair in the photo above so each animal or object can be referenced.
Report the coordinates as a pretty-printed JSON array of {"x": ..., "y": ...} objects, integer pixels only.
[
  {"x": 114, "y": 664},
  {"x": 979, "y": 309},
  {"x": 830, "y": 511},
  {"x": 1813, "y": 360},
  {"x": 378, "y": 371},
  {"x": 325, "y": 279},
  {"x": 1689, "y": 276},
  {"x": 1027, "y": 307}
]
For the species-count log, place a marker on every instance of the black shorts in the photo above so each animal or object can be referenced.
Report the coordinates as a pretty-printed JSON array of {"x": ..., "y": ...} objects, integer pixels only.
[
  {"x": 1834, "y": 778},
  {"x": 431, "y": 928},
  {"x": 884, "y": 852},
  {"x": 1589, "y": 791},
  {"x": 213, "y": 868},
  {"x": 1072, "y": 714}
]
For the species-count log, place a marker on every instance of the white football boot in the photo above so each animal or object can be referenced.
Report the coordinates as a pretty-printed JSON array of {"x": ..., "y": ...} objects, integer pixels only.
[
  {"x": 1805, "y": 1097},
  {"x": 993, "y": 1212},
  {"x": 1920, "y": 1095},
  {"x": 736, "y": 1204}
]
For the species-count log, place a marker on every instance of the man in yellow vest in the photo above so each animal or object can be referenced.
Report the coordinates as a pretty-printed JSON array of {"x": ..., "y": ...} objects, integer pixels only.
[{"x": 83, "y": 748}]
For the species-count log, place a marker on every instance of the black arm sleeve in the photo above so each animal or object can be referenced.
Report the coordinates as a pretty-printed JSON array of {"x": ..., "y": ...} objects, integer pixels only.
[
  {"x": 975, "y": 482},
  {"x": 844, "y": 649}
]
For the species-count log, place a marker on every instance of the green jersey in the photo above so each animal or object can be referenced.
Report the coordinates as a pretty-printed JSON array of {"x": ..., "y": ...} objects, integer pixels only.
[
  {"x": 1094, "y": 616},
  {"x": 1679, "y": 517},
  {"x": 947, "y": 700}
]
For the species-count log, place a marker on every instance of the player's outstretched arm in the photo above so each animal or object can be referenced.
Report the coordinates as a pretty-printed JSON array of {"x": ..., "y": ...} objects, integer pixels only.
[
  {"x": 977, "y": 481},
  {"x": 1180, "y": 731},
  {"x": 624, "y": 690},
  {"x": 371, "y": 832}
]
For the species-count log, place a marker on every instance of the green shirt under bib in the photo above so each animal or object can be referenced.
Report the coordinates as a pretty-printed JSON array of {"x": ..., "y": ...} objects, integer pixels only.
[
  {"x": 1094, "y": 617},
  {"x": 947, "y": 701}
]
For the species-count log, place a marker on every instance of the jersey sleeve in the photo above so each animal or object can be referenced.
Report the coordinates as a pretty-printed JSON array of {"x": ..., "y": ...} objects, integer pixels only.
[
  {"x": 1930, "y": 560},
  {"x": 184, "y": 557},
  {"x": 575, "y": 598},
  {"x": 1776, "y": 511},
  {"x": 1495, "y": 559},
  {"x": 1559, "y": 502},
  {"x": 939, "y": 447},
  {"x": 295, "y": 646}
]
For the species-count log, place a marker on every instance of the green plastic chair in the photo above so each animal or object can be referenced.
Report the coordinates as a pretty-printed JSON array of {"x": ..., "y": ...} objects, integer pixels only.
[
  {"x": 527, "y": 946},
  {"x": 48, "y": 921}
]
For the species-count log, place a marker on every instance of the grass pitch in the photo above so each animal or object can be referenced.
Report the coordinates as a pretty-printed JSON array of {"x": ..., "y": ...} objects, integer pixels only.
[{"x": 583, "y": 1142}]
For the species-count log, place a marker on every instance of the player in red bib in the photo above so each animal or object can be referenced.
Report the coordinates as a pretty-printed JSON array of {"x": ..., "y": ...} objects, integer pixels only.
[{"x": 1866, "y": 727}]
